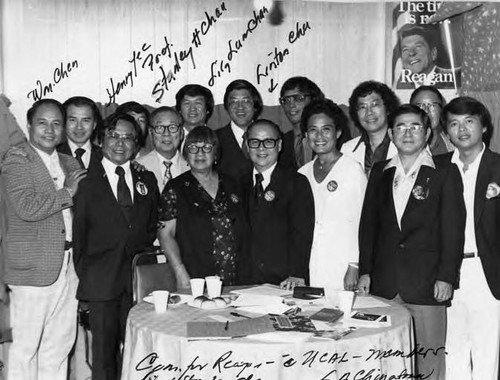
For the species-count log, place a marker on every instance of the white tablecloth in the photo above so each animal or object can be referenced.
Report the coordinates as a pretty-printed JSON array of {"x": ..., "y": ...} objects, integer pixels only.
[{"x": 156, "y": 348}]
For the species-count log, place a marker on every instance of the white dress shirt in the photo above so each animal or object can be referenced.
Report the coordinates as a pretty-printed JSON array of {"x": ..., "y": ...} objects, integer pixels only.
[
  {"x": 266, "y": 174},
  {"x": 402, "y": 183},
  {"x": 469, "y": 178},
  {"x": 88, "y": 150},
  {"x": 110, "y": 168},
  {"x": 56, "y": 172},
  {"x": 238, "y": 133}
]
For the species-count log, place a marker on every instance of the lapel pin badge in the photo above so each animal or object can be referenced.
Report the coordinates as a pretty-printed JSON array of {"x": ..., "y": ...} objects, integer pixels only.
[
  {"x": 269, "y": 195},
  {"x": 332, "y": 186},
  {"x": 141, "y": 188},
  {"x": 420, "y": 193}
]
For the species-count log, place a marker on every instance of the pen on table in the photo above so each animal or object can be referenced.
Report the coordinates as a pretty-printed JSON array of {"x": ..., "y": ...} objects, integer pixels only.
[
  {"x": 226, "y": 326},
  {"x": 239, "y": 315}
]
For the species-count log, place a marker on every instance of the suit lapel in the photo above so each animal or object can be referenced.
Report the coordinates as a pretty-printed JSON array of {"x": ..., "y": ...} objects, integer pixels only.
[
  {"x": 388, "y": 178},
  {"x": 422, "y": 189},
  {"x": 483, "y": 176}
]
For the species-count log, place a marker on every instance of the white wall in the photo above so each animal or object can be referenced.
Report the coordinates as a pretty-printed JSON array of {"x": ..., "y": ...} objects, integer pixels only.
[{"x": 344, "y": 45}]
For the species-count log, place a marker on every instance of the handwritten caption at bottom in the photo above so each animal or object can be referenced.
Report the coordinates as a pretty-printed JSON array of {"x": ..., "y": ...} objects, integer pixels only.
[{"x": 232, "y": 366}]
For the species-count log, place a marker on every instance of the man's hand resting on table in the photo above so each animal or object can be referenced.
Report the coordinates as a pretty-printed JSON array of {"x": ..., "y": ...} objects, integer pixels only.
[
  {"x": 292, "y": 282},
  {"x": 364, "y": 284}
]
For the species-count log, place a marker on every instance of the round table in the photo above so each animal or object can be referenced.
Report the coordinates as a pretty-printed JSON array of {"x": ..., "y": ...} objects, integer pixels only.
[{"x": 156, "y": 347}]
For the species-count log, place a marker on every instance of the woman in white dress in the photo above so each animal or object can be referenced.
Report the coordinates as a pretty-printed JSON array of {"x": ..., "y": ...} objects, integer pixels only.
[{"x": 338, "y": 183}]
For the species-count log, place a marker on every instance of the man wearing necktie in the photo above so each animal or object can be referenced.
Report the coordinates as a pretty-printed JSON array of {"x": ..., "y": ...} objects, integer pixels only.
[
  {"x": 167, "y": 133},
  {"x": 280, "y": 208},
  {"x": 82, "y": 120},
  {"x": 115, "y": 217}
]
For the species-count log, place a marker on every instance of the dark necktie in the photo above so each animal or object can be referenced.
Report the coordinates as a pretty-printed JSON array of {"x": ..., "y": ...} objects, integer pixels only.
[
  {"x": 299, "y": 151},
  {"x": 243, "y": 147},
  {"x": 259, "y": 190},
  {"x": 168, "y": 174},
  {"x": 78, "y": 155},
  {"x": 123, "y": 192}
]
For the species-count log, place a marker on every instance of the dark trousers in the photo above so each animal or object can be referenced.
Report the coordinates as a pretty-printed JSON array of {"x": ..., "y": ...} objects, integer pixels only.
[{"x": 107, "y": 323}]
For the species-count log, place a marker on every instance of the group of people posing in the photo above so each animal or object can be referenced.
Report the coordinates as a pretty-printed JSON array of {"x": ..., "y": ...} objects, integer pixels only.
[{"x": 408, "y": 211}]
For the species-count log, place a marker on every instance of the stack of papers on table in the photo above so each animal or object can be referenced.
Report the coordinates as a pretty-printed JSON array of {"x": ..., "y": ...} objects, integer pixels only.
[
  {"x": 260, "y": 304},
  {"x": 265, "y": 290}
]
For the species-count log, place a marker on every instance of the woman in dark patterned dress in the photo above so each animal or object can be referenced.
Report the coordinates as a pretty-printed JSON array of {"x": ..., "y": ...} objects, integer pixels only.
[{"x": 202, "y": 222}]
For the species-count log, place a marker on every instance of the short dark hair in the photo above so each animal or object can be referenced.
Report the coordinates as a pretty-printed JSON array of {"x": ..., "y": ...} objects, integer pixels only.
[
  {"x": 417, "y": 30},
  {"x": 31, "y": 112},
  {"x": 165, "y": 109},
  {"x": 139, "y": 109},
  {"x": 242, "y": 84},
  {"x": 112, "y": 120},
  {"x": 304, "y": 85},
  {"x": 432, "y": 89},
  {"x": 202, "y": 134},
  {"x": 196, "y": 90},
  {"x": 466, "y": 105},
  {"x": 405, "y": 109},
  {"x": 82, "y": 101},
  {"x": 263, "y": 121},
  {"x": 330, "y": 109},
  {"x": 391, "y": 101}
]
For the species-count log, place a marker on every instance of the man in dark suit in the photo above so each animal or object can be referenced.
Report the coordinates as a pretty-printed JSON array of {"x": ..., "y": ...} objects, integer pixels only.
[
  {"x": 244, "y": 104},
  {"x": 473, "y": 336},
  {"x": 280, "y": 207},
  {"x": 115, "y": 217},
  {"x": 411, "y": 234},
  {"x": 83, "y": 119}
]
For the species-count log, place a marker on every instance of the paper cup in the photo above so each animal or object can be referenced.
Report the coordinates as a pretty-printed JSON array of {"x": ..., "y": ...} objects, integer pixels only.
[
  {"x": 160, "y": 300},
  {"x": 214, "y": 286},
  {"x": 346, "y": 300},
  {"x": 197, "y": 286},
  {"x": 332, "y": 297}
]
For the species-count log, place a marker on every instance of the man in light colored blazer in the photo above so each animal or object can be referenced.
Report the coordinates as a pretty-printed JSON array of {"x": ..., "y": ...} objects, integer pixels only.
[
  {"x": 165, "y": 160},
  {"x": 40, "y": 184}
]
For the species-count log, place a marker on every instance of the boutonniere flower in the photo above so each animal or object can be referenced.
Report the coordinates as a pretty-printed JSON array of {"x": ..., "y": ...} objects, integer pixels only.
[
  {"x": 493, "y": 190},
  {"x": 234, "y": 198},
  {"x": 269, "y": 195},
  {"x": 420, "y": 193},
  {"x": 141, "y": 188}
]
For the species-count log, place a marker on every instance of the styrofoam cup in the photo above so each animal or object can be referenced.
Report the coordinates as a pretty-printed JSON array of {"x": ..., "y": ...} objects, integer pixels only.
[
  {"x": 197, "y": 286},
  {"x": 160, "y": 300},
  {"x": 214, "y": 286}
]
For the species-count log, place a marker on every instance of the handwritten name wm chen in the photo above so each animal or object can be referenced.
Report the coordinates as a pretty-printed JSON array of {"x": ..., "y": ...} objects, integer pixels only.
[{"x": 58, "y": 74}]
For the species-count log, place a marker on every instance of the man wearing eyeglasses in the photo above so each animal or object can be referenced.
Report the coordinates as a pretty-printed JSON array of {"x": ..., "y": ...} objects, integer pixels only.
[
  {"x": 165, "y": 160},
  {"x": 411, "y": 234},
  {"x": 280, "y": 208},
  {"x": 115, "y": 218},
  {"x": 370, "y": 105},
  {"x": 295, "y": 94},
  {"x": 430, "y": 99}
]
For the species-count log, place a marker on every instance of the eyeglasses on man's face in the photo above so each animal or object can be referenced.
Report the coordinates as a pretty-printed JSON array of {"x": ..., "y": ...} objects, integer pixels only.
[
  {"x": 161, "y": 129},
  {"x": 412, "y": 128},
  {"x": 364, "y": 107},
  {"x": 194, "y": 148},
  {"x": 289, "y": 99},
  {"x": 266, "y": 143},
  {"x": 428, "y": 106},
  {"x": 115, "y": 137}
]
